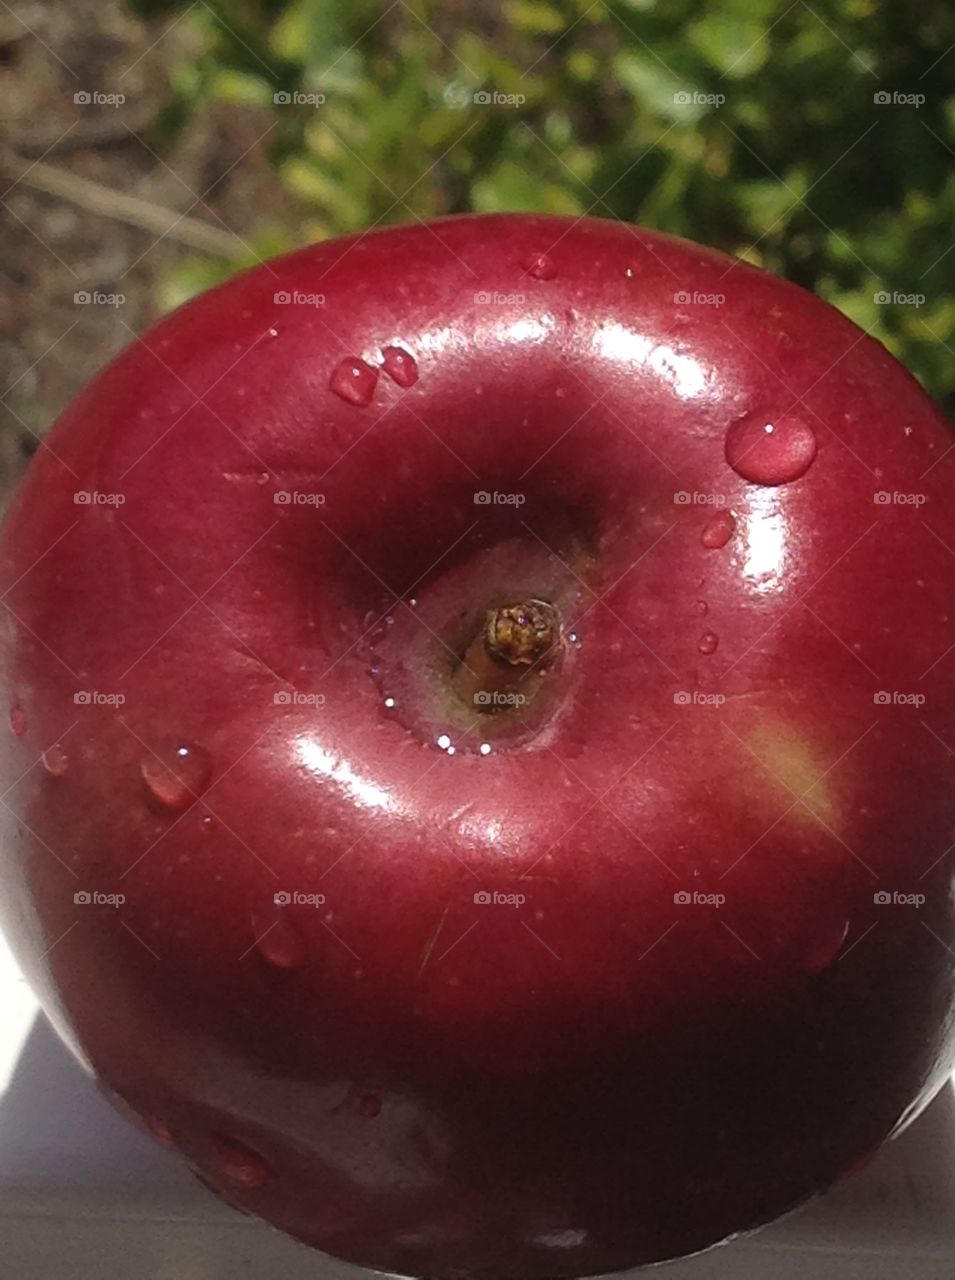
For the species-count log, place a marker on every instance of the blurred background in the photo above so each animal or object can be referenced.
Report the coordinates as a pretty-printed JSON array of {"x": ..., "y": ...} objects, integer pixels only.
[{"x": 151, "y": 148}]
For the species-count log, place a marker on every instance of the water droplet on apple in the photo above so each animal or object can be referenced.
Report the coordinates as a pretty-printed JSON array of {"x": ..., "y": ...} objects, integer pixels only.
[
  {"x": 177, "y": 775},
  {"x": 273, "y": 332},
  {"x": 400, "y": 366},
  {"x": 389, "y": 703},
  {"x": 824, "y": 949},
  {"x": 540, "y": 266},
  {"x": 55, "y": 760},
  {"x": 206, "y": 824},
  {"x": 702, "y": 608},
  {"x": 370, "y": 1106},
  {"x": 443, "y": 741},
  {"x": 18, "y": 721},
  {"x": 241, "y": 1165},
  {"x": 719, "y": 530},
  {"x": 277, "y": 940},
  {"x": 770, "y": 452},
  {"x": 159, "y": 1129},
  {"x": 486, "y": 748},
  {"x": 708, "y": 642},
  {"x": 354, "y": 381}
]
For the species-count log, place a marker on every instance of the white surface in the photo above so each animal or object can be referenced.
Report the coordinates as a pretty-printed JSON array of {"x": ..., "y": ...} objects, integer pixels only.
[{"x": 85, "y": 1196}]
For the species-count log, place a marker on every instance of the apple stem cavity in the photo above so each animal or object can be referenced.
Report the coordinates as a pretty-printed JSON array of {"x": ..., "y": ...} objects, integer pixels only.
[{"x": 503, "y": 666}]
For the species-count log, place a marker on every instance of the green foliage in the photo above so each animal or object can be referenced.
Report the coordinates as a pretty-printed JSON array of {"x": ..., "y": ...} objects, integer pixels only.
[{"x": 752, "y": 125}]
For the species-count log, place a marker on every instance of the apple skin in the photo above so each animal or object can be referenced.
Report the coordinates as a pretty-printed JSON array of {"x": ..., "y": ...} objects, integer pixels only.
[{"x": 603, "y": 1074}]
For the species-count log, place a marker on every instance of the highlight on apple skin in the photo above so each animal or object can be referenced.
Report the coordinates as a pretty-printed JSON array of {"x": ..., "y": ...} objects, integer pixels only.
[{"x": 479, "y": 776}]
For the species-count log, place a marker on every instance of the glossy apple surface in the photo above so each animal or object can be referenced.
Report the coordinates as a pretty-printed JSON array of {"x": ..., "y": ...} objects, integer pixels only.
[{"x": 442, "y": 978}]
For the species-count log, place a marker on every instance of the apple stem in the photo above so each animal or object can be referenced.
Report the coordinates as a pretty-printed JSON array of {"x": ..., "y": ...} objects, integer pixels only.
[{"x": 505, "y": 661}]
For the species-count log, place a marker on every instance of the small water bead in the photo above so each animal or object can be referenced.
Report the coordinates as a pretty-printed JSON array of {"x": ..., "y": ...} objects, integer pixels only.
[
  {"x": 770, "y": 452},
  {"x": 389, "y": 703},
  {"x": 486, "y": 748},
  {"x": 177, "y": 775},
  {"x": 400, "y": 366},
  {"x": 718, "y": 531},
  {"x": 708, "y": 642},
  {"x": 240, "y": 1165},
  {"x": 277, "y": 940},
  {"x": 18, "y": 721},
  {"x": 55, "y": 760},
  {"x": 540, "y": 266},
  {"x": 702, "y": 608},
  {"x": 444, "y": 742},
  {"x": 354, "y": 381}
]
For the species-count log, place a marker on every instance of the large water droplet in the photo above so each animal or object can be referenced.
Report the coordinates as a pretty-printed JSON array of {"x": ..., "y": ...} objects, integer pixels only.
[
  {"x": 354, "y": 381},
  {"x": 719, "y": 530},
  {"x": 770, "y": 452},
  {"x": 55, "y": 760},
  {"x": 708, "y": 642},
  {"x": 540, "y": 266},
  {"x": 277, "y": 939},
  {"x": 18, "y": 722},
  {"x": 400, "y": 366},
  {"x": 177, "y": 775},
  {"x": 241, "y": 1165}
]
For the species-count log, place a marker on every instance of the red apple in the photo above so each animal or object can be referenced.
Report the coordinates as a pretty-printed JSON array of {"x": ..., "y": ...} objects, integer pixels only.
[{"x": 479, "y": 778}]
